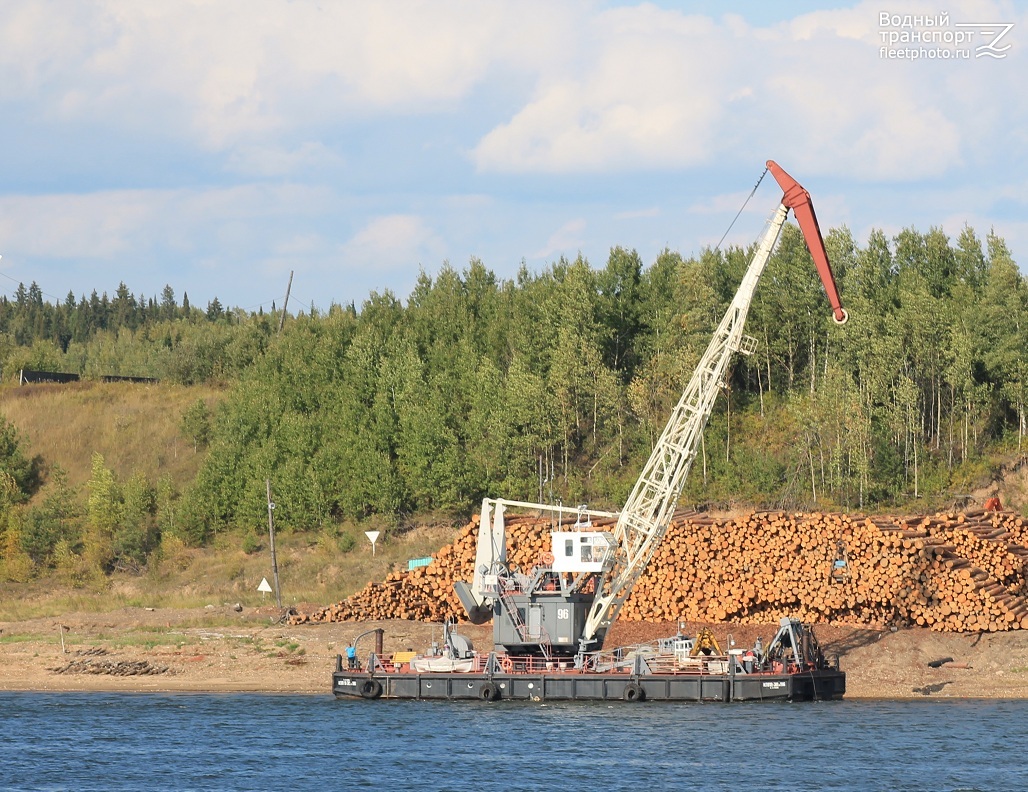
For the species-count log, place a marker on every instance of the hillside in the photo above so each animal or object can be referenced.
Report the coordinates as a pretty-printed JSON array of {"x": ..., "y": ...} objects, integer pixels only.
[
  {"x": 134, "y": 427},
  {"x": 474, "y": 385}
]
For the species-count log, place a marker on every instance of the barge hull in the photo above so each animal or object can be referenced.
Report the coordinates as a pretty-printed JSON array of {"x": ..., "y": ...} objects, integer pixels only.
[{"x": 816, "y": 685}]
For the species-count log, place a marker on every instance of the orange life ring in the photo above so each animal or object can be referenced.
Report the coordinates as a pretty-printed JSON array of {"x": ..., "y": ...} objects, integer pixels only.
[
  {"x": 506, "y": 664},
  {"x": 546, "y": 558}
]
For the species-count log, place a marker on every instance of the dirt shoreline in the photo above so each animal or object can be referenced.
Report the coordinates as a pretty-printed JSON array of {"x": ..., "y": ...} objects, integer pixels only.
[{"x": 220, "y": 650}]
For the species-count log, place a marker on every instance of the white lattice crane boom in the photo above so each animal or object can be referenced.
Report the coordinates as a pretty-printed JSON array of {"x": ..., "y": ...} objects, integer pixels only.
[{"x": 647, "y": 513}]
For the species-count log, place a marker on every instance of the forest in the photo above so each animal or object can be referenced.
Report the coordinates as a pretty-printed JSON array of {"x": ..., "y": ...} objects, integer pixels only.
[{"x": 550, "y": 385}]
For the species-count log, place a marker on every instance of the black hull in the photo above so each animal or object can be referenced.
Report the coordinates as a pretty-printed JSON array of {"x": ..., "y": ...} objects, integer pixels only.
[{"x": 820, "y": 685}]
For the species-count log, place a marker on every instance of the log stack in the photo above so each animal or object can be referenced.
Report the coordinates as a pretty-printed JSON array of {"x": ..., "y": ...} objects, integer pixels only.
[{"x": 949, "y": 572}]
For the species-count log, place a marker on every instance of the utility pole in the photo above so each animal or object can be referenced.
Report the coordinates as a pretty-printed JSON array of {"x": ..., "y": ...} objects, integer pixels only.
[
  {"x": 271, "y": 533},
  {"x": 282, "y": 319}
]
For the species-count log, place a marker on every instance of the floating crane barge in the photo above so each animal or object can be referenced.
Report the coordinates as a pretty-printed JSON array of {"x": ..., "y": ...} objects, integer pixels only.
[
  {"x": 672, "y": 669},
  {"x": 549, "y": 623}
]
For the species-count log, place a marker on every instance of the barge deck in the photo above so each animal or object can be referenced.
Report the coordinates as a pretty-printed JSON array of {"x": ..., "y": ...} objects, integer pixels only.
[
  {"x": 792, "y": 668},
  {"x": 822, "y": 684}
]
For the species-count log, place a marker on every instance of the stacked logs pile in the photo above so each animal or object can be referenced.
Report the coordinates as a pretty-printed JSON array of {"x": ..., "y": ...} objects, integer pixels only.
[{"x": 949, "y": 572}]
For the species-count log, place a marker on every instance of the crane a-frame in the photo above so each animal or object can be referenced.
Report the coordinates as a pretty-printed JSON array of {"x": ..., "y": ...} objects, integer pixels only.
[{"x": 566, "y": 606}]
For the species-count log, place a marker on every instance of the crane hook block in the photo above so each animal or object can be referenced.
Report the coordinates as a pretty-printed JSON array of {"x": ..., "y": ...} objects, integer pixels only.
[{"x": 798, "y": 199}]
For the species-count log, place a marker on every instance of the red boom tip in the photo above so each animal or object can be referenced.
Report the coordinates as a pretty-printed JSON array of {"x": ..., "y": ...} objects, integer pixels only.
[{"x": 796, "y": 198}]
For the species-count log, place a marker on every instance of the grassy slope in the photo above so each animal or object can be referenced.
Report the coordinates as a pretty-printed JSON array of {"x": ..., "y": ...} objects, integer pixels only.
[
  {"x": 135, "y": 427},
  {"x": 312, "y": 571}
]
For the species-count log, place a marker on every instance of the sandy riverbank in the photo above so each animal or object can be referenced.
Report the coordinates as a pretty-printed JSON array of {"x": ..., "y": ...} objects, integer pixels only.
[{"x": 220, "y": 650}]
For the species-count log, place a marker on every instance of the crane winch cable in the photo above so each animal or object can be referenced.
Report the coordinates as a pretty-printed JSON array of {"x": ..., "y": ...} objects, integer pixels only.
[{"x": 754, "y": 190}]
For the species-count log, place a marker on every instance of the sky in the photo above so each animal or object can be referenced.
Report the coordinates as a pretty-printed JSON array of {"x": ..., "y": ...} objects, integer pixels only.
[{"x": 218, "y": 146}]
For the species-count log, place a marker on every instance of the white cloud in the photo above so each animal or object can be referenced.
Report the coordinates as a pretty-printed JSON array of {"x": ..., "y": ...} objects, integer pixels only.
[
  {"x": 236, "y": 70},
  {"x": 726, "y": 202},
  {"x": 609, "y": 88},
  {"x": 564, "y": 241},
  {"x": 846, "y": 23},
  {"x": 392, "y": 242},
  {"x": 634, "y": 214},
  {"x": 41, "y": 43},
  {"x": 660, "y": 89},
  {"x": 132, "y": 228},
  {"x": 468, "y": 202},
  {"x": 277, "y": 161},
  {"x": 640, "y": 96},
  {"x": 76, "y": 226}
]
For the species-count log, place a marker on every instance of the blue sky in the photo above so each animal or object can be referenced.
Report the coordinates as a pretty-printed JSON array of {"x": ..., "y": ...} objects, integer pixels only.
[{"x": 216, "y": 146}]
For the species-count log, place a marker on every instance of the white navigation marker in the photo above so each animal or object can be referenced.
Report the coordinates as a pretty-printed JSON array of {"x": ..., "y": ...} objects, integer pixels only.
[
  {"x": 264, "y": 588},
  {"x": 372, "y": 537}
]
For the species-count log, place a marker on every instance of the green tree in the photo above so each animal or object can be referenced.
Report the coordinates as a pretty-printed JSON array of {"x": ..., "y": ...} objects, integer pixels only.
[
  {"x": 196, "y": 424},
  {"x": 619, "y": 309},
  {"x": 54, "y": 521},
  {"x": 1005, "y": 330},
  {"x": 103, "y": 516},
  {"x": 23, "y": 471},
  {"x": 15, "y": 563},
  {"x": 214, "y": 310},
  {"x": 168, "y": 304},
  {"x": 136, "y": 534},
  {"x": 165, "y": 507}
]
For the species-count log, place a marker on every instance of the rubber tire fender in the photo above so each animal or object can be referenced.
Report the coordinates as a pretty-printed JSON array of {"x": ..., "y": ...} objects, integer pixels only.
[
  {"x": 489, "y": 692},
  {"x": 634, "y": 692},
  {"x": 370, "y": 689}
]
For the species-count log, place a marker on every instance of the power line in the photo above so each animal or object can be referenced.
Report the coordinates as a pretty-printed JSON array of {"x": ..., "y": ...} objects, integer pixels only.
[
  {"x": 755, "y": 186},
  {"x": 22, "y": 283}
]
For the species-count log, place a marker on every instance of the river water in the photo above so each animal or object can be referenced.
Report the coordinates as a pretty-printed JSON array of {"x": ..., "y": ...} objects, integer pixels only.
[{"x": 105, "y": 741}]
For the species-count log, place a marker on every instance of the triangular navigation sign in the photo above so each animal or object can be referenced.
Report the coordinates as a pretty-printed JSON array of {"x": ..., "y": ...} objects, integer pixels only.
[{"x": 264, "y": 587}]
